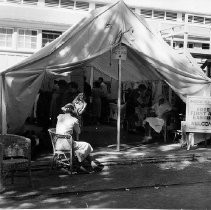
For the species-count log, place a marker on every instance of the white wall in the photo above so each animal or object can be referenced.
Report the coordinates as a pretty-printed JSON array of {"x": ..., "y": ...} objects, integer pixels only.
[{"x": 10, "y": 59}]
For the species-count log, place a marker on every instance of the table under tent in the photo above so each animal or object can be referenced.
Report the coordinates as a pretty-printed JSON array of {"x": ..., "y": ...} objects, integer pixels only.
[{"x": 90, "y": 42}]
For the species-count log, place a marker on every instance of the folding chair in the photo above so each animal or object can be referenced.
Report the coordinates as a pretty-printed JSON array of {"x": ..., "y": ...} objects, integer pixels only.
[{"x": 61, "y": 158}]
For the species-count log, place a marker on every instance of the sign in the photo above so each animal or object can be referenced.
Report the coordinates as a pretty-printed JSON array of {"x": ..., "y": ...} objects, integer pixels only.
[
  {"x": 198, "y": 114},
  {"x": 119, "y": 52}
]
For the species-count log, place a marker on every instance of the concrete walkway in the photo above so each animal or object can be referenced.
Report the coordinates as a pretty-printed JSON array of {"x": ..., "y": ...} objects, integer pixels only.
[
  {"x": 45, "y": 181},
  {"x": 132, "y": 153},
  {"x": 172, "y": 185},
  {"x": 132, "y": 150},
  {"x": 140, "y": 153}
]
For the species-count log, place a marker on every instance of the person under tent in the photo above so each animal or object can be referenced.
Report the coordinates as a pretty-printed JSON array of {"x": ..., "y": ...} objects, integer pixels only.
[
  {"x": 159, "y": 116},
  {"x": 135, "y": 99},
  {"x": 68, "y": 123}
]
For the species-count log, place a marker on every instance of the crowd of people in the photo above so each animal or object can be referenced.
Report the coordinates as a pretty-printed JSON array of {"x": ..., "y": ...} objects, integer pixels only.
[
  {"x": 64, "y": 107},
  {"x": 138, "y": 103},
  {"x": 149, "y": 114},
  {"x": 48, "y": 104}
]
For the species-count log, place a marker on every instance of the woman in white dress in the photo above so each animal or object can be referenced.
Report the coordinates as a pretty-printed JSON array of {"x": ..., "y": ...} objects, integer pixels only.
[{"x": 68, "y": 123}]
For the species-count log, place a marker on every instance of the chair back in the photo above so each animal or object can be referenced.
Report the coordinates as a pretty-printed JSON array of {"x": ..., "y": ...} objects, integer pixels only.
[
  {"x": 54, "y": 137},
  {"x": 15, "y": 146}
]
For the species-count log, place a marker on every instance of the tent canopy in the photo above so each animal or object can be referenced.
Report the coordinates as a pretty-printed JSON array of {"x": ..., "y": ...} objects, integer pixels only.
[{"x": 90, "y": 42}]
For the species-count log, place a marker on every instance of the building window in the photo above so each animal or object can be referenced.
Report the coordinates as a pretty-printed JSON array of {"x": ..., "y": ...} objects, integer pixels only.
[
  {"x": 171, "y": 16},
  {"x": 80, "y": 5},
  {"x": 207, "y": 20},
  {"x": 190, "y": 18},
  {"x": 49, "y": 36},
  {"x": 146, "y": 13},
  {"x": 190, "y": 45},
  {"x": 169, "y": 43},
  {"x": 27, "y": 39},
  {"x": 132, "y": 9},
  {"x": 52, "y": 3},
  {"x": 67, "y": 4},
  {"x": 198, "y": 19},
  {"x": 183, "y": 17},
  {"x": 180, "y": 45},
  {"x": 205, "y": 46},
  {"x": 98, "y": 5},
  {"x": 14, "y": 1},
  {"x": 6, "y": 37},
  {"x": 31, "y": 2},
  {"x": 158, "y": 14}
]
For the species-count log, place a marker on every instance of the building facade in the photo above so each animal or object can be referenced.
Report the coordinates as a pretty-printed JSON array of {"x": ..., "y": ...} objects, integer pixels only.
[{"x": 28, "y": 25}]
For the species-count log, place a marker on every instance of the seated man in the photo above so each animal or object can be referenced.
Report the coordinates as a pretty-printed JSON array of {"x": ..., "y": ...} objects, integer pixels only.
[{"x": 158, "y": 115}]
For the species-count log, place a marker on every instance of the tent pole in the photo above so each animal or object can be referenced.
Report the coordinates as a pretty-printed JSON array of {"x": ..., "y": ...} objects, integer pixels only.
[
  {"x": 91, "y": 76},
  {"x": 1, "y": 83},
  {"x": 1, "y": 86},
  {"x": 3, "y": 108},
  {"x": 119, "y": 103}
]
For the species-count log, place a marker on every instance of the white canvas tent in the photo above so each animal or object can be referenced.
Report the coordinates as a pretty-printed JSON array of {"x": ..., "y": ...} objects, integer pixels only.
[{"x": 90, "y": 42}]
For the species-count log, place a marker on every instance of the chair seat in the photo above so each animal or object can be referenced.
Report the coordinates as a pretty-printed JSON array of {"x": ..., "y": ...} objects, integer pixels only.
[{"x": 15, "y": 164}]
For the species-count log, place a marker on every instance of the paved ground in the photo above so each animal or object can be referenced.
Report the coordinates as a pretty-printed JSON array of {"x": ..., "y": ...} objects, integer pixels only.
[
  {"x": 135, "y": 174},
  {"x": 128, "y": 155},
  {"x": 183, "y": 184},
  {"x": 103, "y": 140}
]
